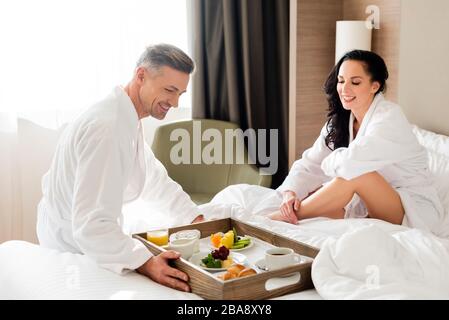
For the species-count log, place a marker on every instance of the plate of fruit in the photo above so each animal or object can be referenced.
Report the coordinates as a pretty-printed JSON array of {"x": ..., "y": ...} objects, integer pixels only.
[
  {"x": 231, "y": 240},
  {"x": 217, "y": 260}
]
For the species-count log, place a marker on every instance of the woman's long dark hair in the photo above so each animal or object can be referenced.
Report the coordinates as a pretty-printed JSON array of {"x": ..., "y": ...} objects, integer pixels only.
[{"x": 338, "y": 117}]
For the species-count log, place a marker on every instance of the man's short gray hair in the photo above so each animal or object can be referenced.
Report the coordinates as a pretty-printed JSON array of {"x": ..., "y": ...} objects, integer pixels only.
[{"x": 159, "y": 55}]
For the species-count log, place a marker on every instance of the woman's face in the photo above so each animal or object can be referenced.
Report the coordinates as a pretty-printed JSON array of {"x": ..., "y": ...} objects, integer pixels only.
[{"x": 354, "y": 87}]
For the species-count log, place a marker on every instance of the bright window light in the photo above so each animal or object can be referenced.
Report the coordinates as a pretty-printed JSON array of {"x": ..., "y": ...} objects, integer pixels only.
[{"x": 62, "y": 56}]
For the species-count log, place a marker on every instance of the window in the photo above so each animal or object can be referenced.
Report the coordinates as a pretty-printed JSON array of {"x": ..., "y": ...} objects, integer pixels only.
[{"x": 59, "y": 57}]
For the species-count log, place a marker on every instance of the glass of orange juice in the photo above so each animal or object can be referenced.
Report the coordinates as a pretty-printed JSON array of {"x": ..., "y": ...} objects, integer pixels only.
[{"x": 158, "y": 237}]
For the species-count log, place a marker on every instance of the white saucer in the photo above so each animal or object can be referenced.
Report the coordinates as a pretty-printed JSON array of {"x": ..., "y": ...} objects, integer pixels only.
[{"x": 262, "y": 265}]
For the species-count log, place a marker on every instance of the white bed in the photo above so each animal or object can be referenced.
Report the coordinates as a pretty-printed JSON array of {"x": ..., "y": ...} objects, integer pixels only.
[{"x": 359, "y": 258}]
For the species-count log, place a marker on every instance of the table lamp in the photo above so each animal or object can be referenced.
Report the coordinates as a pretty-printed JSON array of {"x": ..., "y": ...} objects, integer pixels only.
[{"x": 351, "y": 35}]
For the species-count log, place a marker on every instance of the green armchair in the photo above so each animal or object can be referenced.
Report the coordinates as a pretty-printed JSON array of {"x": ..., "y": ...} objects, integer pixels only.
[{"x": 200, "y": 180}]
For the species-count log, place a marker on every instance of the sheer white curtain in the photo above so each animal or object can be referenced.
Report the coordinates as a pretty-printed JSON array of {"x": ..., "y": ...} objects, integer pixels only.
[{"x": 57, "y": 58}]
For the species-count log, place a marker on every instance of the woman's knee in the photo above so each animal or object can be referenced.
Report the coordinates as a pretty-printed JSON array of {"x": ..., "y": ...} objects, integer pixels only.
[
  {"x": 356, "y": 182},
  {"x": 340, "y": 181},
  {"x": 367, "y": 178}
]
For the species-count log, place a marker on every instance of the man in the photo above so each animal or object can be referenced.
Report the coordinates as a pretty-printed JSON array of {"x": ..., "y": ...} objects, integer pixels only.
[{"x": 101, "y": 161}]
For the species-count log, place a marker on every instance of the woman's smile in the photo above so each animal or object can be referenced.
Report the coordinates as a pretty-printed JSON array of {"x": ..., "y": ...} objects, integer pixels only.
[{"x": 347, "y": 98}]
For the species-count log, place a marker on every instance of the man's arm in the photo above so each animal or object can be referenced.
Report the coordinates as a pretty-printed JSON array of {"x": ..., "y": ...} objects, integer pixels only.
[
  {"x": 166, "y": 195},
  {"x": 97, "y": 202}
]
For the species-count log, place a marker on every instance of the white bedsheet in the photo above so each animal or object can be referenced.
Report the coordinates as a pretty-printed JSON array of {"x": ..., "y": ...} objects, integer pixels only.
[
  {"x": 28, "y": 271},
  {"x": 410, "y": 264},
  {"x": 359, "y": 258}
]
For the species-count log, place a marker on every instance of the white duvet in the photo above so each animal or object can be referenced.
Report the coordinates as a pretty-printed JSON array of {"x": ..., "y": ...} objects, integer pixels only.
[
  {"x": 360, "y": 258},
  {"x": 372, "y": 263}
]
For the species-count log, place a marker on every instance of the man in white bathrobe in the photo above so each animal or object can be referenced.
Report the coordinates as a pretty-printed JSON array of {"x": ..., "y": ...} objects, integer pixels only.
[{"x": 101, "y": 162}]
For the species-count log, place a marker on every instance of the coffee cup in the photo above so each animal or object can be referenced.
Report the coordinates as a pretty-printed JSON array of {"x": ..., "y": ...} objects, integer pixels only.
[
  {"x": 277, "y": 258},
  {"x": 186, "y": 247}
]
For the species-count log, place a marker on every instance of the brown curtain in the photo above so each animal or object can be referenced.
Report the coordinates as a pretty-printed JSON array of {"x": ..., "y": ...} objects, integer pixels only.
[{"x": 241, "y": 52}]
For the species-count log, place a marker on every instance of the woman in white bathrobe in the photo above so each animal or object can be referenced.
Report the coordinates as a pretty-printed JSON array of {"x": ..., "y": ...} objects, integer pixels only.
[{"x": 366, "y": 162}]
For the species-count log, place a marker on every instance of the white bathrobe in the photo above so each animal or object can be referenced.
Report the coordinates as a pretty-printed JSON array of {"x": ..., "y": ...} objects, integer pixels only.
[
  {"x": 384, "y": 143},
  {"x": 102, "y": 162}
]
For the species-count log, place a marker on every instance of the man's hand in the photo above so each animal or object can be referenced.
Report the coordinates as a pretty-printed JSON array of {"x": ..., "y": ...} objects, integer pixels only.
[
  {"x": 289, "y": 207},
  {"x": 157, "y": 269},
  {"x": 200, "y": 218}
]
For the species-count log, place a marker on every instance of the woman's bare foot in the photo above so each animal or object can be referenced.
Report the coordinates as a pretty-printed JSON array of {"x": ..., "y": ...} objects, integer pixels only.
[{"x": 277, "y": 215}]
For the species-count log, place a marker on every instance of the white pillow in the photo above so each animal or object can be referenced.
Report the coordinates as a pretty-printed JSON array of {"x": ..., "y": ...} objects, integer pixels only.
[
  {"x": 439, "y": 167},
  {"x": 432, "y": 141},
  {"x": 437, "y": 147}
]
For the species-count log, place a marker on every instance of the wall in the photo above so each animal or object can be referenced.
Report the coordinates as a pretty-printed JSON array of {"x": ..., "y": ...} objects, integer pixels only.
[
  {"x": 28, "y": 155},
  {"x": 424, "y": 63},
  {"x": 315, "y": 48},
  {"x": 385, "y": 40}
]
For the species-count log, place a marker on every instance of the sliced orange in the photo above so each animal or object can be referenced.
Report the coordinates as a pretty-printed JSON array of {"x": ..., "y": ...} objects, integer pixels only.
[{"x": 215, "y": 239}]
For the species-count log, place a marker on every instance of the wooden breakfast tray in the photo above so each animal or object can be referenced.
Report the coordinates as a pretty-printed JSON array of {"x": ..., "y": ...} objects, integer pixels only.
[{"x": 208, "y": 286}]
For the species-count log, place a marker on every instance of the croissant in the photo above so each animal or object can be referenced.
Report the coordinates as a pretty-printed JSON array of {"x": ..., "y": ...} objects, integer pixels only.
[
  {"x": 236, "y": 268},
  {"x": 237, "y": 271},
  {"x": 247, "y": 272},
  {"x": 227, "y": 276}
]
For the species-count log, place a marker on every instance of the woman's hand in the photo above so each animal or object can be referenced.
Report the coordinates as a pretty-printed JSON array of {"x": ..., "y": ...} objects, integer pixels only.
[
  {"x": 198, "y": 219},
  {"x": 289, "y": 207}
]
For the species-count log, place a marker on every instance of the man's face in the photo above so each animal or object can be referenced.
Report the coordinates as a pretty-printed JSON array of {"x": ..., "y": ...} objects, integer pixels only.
[{"x": 160, "y": 90}]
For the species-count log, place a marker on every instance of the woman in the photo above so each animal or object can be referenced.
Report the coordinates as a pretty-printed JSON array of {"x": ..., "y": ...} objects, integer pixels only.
[{"x": 366, "y": 161}]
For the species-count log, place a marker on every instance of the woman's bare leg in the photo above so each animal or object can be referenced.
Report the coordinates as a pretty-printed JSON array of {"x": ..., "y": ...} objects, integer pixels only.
[{"x": 381, "y": 200}]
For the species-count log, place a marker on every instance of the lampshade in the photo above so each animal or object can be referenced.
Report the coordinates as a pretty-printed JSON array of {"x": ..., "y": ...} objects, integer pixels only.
[{"x": 351, "y": 35}]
